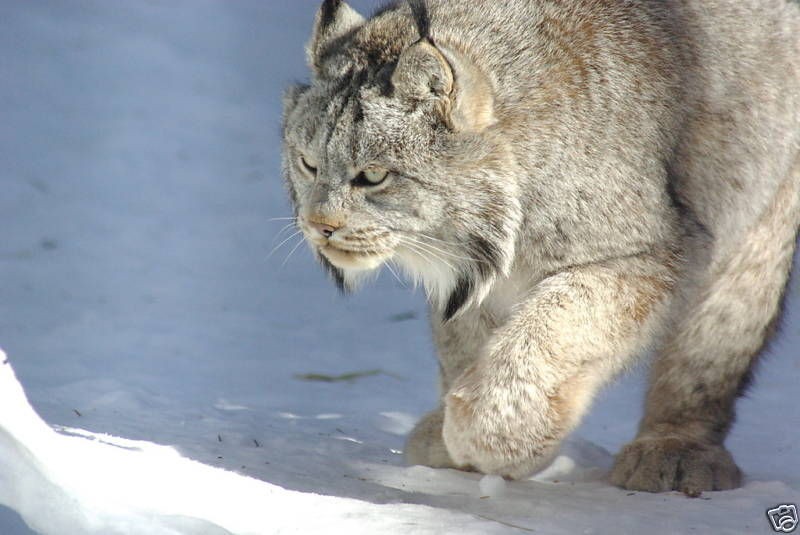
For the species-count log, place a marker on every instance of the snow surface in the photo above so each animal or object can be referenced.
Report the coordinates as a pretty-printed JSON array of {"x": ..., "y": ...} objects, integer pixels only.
[{"x": 139, "y": 182}]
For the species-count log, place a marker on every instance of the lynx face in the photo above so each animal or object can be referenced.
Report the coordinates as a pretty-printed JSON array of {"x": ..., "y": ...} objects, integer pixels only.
[
  {"x": 387, "y": 160},
  {"x": 359, "y": 199}
]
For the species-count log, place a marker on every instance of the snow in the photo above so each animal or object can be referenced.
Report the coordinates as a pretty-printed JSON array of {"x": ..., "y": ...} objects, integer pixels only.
[
  {"x": 190, "y": 382},
  {"x": 95, "y": 483},
  {"x": 492, "y": 486}
]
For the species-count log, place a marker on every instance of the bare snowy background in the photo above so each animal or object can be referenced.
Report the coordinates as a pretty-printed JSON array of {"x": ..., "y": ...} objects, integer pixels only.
[{"x": 139, "y": 179}]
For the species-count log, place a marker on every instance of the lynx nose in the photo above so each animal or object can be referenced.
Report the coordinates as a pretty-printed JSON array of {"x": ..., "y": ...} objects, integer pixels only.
[{"x": 324, "y": 229}]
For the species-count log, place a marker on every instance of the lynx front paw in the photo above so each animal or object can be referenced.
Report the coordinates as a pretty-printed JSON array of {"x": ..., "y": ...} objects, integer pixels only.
[
  {"x": 425, "y": 445},
  {"x": 496, "y": 428},
  {"x": 674, "y": 463}
]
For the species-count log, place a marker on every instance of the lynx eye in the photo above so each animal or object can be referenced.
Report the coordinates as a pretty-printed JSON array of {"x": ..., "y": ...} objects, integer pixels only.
[
  {"x": 371, "y": 176},
  {"x": 308, "y": 165}
]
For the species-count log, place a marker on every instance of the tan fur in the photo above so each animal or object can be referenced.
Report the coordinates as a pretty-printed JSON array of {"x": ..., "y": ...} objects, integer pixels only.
[
  {"x": 702, "y": 366},
  {"x": 574, "y": 183}
]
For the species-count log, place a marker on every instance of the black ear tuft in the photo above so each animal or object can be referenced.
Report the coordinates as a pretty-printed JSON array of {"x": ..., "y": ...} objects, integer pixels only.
[
  {"x": 328, "y": 12},
  {"x": 422, "y": 18}
]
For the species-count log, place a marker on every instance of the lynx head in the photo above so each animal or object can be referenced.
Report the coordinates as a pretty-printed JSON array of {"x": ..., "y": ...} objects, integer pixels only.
[{"x": 391, "y": 155}]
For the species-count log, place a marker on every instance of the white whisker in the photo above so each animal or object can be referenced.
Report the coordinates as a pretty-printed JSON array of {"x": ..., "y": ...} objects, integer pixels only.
[
  {"x": 432, "y": 248},
  {"x": 393, "y": 272},
  {"x": 424, "y": 252},
  {"x": 281, "y": 231},
  {"x": 407, "y": 235},
  {"x": 436, "y": 274},
  {"x": 445, "y": 242},
  {"x": 281, "y": 243},
  {"x": 292, "y": 252}
]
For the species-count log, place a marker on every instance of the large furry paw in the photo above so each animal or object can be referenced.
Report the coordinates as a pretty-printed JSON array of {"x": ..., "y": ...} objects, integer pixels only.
[
  {"x": 425, "y": 444},
  {"x": 674, "y": 463},
  {"x": 497, "y": 427}
]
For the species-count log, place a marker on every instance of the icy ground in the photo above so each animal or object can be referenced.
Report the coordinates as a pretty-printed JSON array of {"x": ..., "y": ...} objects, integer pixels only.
[{"x": 139, "y": 175}]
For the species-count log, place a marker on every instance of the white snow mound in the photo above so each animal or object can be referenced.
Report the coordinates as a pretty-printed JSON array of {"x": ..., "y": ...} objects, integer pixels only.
[{"x": 79, "y": 482}]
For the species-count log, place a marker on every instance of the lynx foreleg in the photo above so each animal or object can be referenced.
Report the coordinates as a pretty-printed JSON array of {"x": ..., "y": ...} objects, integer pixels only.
[
  {"x": 508, "y": 411},
  {"x": 458, "y": 342}
]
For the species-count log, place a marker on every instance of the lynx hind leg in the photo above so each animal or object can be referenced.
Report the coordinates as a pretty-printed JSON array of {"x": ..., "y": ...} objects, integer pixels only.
[{"x": 707, "y": 364}]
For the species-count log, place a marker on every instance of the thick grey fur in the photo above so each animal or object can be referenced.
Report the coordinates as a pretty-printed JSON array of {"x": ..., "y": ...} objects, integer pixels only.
[{"x": 574, "y": 183}]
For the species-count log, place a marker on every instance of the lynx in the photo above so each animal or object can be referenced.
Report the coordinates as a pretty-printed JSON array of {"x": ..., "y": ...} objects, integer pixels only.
[{"x": 575, "y": 184}]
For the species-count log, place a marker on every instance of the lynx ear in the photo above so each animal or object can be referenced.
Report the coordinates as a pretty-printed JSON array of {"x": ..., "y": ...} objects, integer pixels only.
[
  {"x": 422, "y": 72},
  {"x": 334, "y": 19},
  {"x": 426, "y": 71}
]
